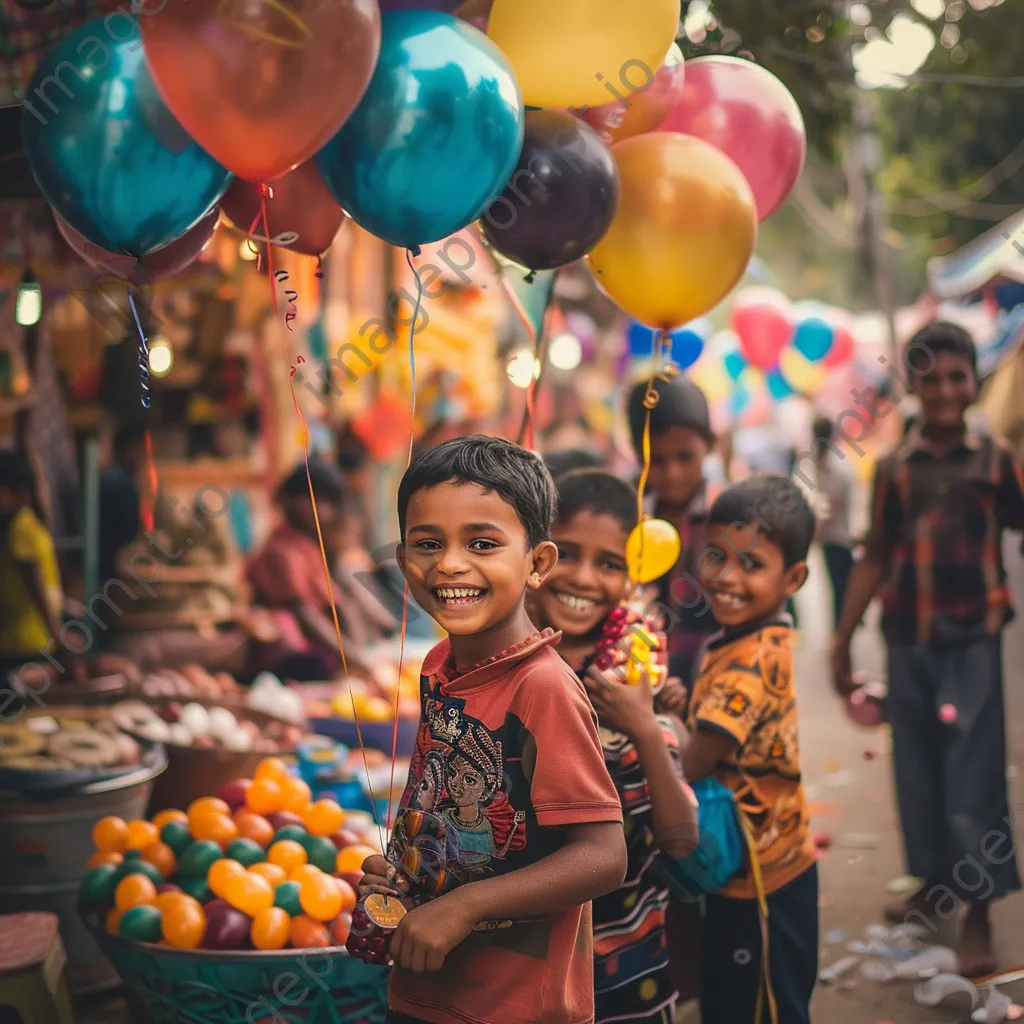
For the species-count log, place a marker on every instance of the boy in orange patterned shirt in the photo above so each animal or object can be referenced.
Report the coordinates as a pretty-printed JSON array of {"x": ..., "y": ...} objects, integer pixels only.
[{"x": 743, "y": 721}]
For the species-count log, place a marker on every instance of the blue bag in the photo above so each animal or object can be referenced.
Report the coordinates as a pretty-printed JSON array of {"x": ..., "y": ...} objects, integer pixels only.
[{"x": 719, "y": 852}]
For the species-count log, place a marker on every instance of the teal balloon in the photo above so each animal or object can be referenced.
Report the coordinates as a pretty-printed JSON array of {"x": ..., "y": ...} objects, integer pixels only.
[
  {"x": 436, "y": 137},
  {"x": 735, "y": 364},
  {"x": 107, "y": 153},
  {"x": 777, "y": 386},
  {"x": 813, "y": 339}
]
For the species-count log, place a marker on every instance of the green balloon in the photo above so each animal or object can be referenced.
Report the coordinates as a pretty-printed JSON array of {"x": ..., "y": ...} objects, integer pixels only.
[
  {"x": 98, "y": 885},
  {"x": 177, "y": 836},
  {"x": 196, "y": 860},
  {"x": 296, "y": 832},
  {"x": 286, "y": 896},
  {"x": 322, "y": 853},
  {"x": 141, "y": 924},
  {"x": 246, "y": 851},
  {"x": 197, "y": 889}
]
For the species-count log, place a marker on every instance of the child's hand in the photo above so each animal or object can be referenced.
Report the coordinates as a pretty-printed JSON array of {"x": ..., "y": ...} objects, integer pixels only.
[
  {"x": 427, "y": 934},
  {"x": 379, "y": 876},
  {"x": 672, "y": 697},
  {"x": 622, "y": 708},
  {"x": 842, "y": 671}
]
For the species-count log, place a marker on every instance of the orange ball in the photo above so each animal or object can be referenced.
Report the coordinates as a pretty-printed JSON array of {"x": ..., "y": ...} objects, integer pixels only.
[
  {"x": 205, "y": 806},
  {"x": 295, "y": 794},
  {"x": 271, "y": 929},
  {"x": 141, "y": 834},
  {"x": 253, "y": 826},
  {"x": 112, "y": 921},
  {"x": 304, "y": 872},
  {"x": 249, "y": 893},
  {"x": 218, "y": 828},
  {"x": 350, "y": 860},
  {"x": 161, "y": 856},
  {"x": 134, "y": 891},
  {"x": 111, "y": 835},
  {"x": 99, "y": 857},
  {"x": 340, "y": 928},
  {"x": 166, "y": 900},
  {"x": 287, "y": 854},
  {"x": 321, "y": 898},
  {"x": 220, "y": 875},
  {"x": 271, "y": 768},
  {"x": 167, "y": 817},
  {"x": 349, "y": 897},
  {"x": 265, "y": 796},
  {"x": 184, "y": 924},
  {"x": 323, "y": 818},
  {"x": 306, "y": 933},
  {"x": 274, "y": 874}
]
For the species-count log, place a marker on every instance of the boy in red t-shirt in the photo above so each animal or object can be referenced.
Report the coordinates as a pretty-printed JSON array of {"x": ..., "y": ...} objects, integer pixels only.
[{"x": 509, "y": 824}]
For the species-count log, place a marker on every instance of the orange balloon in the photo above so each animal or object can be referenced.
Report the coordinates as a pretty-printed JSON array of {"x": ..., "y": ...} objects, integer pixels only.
[
  {"x": 161, "y": 856},
  {"x": 111, "y": 835},
  {"x": 169, "y": 816},
  {"x": 306, "y": 933},
  {"x": 295, "y": 794},
  {"x": 323, "y": 818},
  {"x": 287, "y": 854},
  {"x": 271, "y": 872},
  {"x": 249, "y": 893},
  {"x": 219, "y": 828},
  {"x": 271, "y": 929},
  {"x": 683, "y": 234},
  {"x": 220, "y": 875},
  {"x": 134, "y": 891},
  {"x": 265, "y": 796},
  {"x": 253, "y": 826},
  {"x": 263, "y": 85},
  {"x": 100, "y": 857}
]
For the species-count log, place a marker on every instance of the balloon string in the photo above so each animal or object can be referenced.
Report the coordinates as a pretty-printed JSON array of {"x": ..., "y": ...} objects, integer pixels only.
[
  {"x": 265, "y": 193},
  {"x": 149, "y": 503},
  {"x": 292, "y": 313},
  {"x": 405, "y": 592},
  {"x": 148, "y": 500},
  {"x": 651, "y": 399}
]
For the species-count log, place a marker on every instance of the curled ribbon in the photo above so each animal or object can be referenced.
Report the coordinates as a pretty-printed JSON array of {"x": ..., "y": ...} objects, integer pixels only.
[{"x": 292, "y": 296}]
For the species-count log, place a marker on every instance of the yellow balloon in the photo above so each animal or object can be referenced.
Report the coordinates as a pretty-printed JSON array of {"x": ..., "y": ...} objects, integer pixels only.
[
  {"x": 652, "y": 550},
  {"x": 683, "y": 234},
  {"x": 569, "y": 53},
  {"x": 799, "y": 372}
]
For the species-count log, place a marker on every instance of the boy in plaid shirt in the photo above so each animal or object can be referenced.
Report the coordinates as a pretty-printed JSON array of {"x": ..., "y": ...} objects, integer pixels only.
[{"x": 942, "y": 499}]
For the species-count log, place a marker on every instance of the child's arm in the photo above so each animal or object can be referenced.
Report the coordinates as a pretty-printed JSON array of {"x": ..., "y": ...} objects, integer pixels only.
[
  {"x": 705, "y": 751},
  {"x": 1011, "y": 492},
  {"x": 590, "y": 863}
]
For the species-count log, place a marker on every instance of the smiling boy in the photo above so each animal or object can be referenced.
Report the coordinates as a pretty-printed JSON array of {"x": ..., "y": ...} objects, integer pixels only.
[{"x": 510, "y": 823}]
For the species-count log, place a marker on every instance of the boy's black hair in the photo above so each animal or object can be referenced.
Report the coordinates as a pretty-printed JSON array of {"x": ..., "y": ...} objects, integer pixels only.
[
  {"x": 327, "y": 483},
  {"x": 680, "y": 404},
  {"x": 16, "y": 472},
  {"x": 773, "y": 504},
  {"x": 513, "y": 473},
  {"x": 352, "y": 451},
  {"x": 822, "y": 431},
  {"x": 592, "y": 490},
  {"x": 940, "y": 336},
  {"x": 571, "y": 458}
]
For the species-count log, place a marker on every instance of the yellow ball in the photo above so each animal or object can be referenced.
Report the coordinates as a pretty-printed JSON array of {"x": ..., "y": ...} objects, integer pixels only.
[{"x": 652, "y": 550}]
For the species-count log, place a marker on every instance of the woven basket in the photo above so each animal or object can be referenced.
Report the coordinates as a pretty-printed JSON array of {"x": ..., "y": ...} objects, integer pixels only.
[{"x": 315, "y": 986}]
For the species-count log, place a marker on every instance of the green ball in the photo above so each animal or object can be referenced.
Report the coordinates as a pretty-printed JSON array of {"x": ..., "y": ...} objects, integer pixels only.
[
  {"x": 177, "y": 836},
  {"x": 196, "y": 860},
  {"x": 133, "y": 855},
  {"x": 322, "y": 853},
  {"x": 286, "y": 896},
  {"x": 141, "y": 924},
  {"x": 296, "y": 832},
  {"x": 197, "y": 889},
  {"x": 246, "y": 851},
  {"x": 139, "y": 867},
  {"x": 98, "y": 885}
]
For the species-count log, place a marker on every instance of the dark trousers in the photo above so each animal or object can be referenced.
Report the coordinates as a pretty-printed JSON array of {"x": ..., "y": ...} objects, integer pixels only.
[
  {"x": 951, "y": 775},
  {"x": 839, "y": 562},
  {"x": 732, "y": 954}
]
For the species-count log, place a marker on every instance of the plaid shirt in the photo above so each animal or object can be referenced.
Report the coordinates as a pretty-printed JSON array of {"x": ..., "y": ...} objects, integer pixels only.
[{"x": 937, "y": 522}]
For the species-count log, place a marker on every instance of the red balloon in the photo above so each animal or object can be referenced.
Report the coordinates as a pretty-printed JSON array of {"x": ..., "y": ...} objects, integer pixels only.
[
  {"x": 764, "y": 331},
  {"x": 156, "y": 265},
  {"x": 747, "y": 113},
  {"x": 644, "y": 109},
  {"x": 842, "y": 348},
  {"x": 262, "y": 85},
  {"x": 303, "y": 216}
]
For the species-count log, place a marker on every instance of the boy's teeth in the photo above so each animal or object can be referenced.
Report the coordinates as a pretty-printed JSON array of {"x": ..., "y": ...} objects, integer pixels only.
[
  {"x": 458, "y": 593},
  {"x": 580, "y": 604}
]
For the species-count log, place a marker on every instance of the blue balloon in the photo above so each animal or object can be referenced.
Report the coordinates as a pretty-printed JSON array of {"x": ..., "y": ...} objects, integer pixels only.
[
  {"x": 107, "y": 153},
  {"x": 687, "y": 343},
  {"x": 735, "y": 364},
  {"x": 436, "y": 137},
  {"x": 814, "y": 338},
  {"x": 777, "y": 386}
]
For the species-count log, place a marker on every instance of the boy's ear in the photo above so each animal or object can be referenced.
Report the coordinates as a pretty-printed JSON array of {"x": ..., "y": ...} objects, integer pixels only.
[
  {"x": 545, "y": 555},
  {"x": 796, "y": 577},
  {"x": 400, "y": 556}
]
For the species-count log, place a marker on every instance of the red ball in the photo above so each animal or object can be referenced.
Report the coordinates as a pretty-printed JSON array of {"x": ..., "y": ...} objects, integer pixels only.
[
  {"x": 226, "y": 928},
  {"x": 344, "y": 837},
  {"x": 282, "y": 818},
  {"x": 233, "y": 793}
]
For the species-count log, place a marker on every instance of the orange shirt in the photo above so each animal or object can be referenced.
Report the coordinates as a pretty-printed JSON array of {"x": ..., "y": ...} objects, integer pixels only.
[
  {"x": 745, "y": 689},
  {"x": 507, "y": 755}
]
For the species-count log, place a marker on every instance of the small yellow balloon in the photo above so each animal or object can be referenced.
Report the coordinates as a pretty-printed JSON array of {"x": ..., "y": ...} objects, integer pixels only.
[
  {"x": 574, "y": 53},
  {"x": 652, "y": 550},
  {"x": 683, "y": 234},
  {"x": 799, "y": 372}
]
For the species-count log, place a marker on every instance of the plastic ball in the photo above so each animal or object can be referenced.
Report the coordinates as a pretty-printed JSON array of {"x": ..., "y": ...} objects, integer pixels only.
[
  {"x": 271, "y": 929},
  {"x": 99, "y": 858},
  {"x": 249, "y": 893},
  {"x": 98, "y": 886},
  {"x": 321, "y": 898},
  {"x": 253, "y": 826},
  {"x": 349, "y": 897},
  {"x": 184, "y": 924},
  {"x": 323, "y": 818},
  {"x": 141, "y": 834},
  {"x": 246, "y": 851},
  {"x": 161, "y": 856},
  {"x": 265, "y": 796},
  {"x": 207, "y": 805},
  {"x": 170, "y": 899},
  {"x": 296, "y": 832},
  {"x": 351, "y": 859},
  {"x": 166, "y": 817},
  {"x": 220, "y": 874},
  {"x": 226, "y": 928},
  {"x": 141, "y": 924},
  {"x": 198, "y": 858},
  {"x": 306, "y": 933},
  {"x": 304, "y": 872},
  {"x": 110, "y": 835},
  {"x": 287, "y": 854},
  {"x": 296, "y": 795},
  {"x": 272, "y": 768},
  {"x": 177, "y": 836},
  {"x": 134, "y": 891},
  {"x": 340, "y": 928},
  {"x": 198, "y": 889},
  {"x": 218, "y": 828},
  {"x": 321, "y": 852},
  {"x": 112, "y": 922},
  {"x": 286, "y": 896},
  {"x": 271, "y": 872},
  {"x": 137, "y": 866}
]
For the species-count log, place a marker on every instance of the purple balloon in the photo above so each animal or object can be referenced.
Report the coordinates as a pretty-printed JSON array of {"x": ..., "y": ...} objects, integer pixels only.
[
  {"x": 561, "y": 199},
  {"x": 447, "y": 6}
]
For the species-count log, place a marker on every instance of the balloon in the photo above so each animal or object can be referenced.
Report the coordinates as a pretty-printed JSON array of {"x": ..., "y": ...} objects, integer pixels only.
[
  {"x": 581, "y": 52},
  {"x": 735, "y": 364},
  {"x": 842, "y": 348},
  {"x": 683, "y": 234},
  {"x": 114, "y": 164},
  {"x": 437, "y": 136},
  {"x": 687, "y": 344},
  {"x": 259, "y": 84},
  {"x": 813, "y": 338},
  {"x": 155, "y": 265},
  {"x": 747, "y": 113},
  {"x": 644, "y": 109},
  {"x": 777, "y": 386},
  {"x": 651, "y": 550},
  {"x": 764, "y": 331},
  {"x": 447, "y": 6},
  {"x": 799, "y": 372},
  {"x": 562, "y": 196},
  {"x": 302, "y": 213}
]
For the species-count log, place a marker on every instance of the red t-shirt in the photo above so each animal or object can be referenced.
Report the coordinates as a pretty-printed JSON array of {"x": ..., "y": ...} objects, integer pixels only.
[{"x": 508, "y": 753}]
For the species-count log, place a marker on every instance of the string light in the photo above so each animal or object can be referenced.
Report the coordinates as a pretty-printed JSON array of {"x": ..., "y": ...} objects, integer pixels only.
[
  {"x": 523, "y": 368},
  {"x": 565, "y": 352},
  {"x": 29, "y": 307},
  {"x": 161, "y": 356},
  {"x": 247, "y": 252}
]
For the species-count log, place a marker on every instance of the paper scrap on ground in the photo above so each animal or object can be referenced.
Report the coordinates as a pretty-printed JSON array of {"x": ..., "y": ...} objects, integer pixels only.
[
  {"x": 903, "y": 884},
  {"x": 935, "y": 990}
]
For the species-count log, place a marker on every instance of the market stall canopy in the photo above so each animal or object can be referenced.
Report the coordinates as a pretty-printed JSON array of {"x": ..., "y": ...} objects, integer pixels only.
[{"x": 995, "y": 257}]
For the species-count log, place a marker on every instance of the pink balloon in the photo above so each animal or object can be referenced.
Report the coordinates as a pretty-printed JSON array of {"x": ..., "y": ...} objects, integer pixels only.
[
  {"x": 842, "y": 348},
  {"x": 156, "y": 265},
  {"x": 747, "y": 113},
  {"x": 764, "y": 331}
]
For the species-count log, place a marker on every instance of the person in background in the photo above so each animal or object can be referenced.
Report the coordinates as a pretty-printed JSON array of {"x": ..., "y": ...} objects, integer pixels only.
[
  {"x": 942, "y": 499},
  {"x": 568, "y": 459},
  {"x": 119, "y": 496}
]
